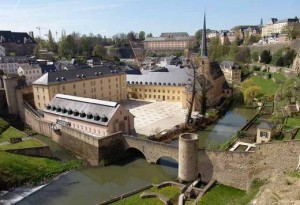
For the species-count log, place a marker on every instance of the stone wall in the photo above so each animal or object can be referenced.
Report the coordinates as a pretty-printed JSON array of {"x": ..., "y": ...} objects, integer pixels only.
[
  {"x": 43, "y": 151},
  {"x": 229, "y": 168}
]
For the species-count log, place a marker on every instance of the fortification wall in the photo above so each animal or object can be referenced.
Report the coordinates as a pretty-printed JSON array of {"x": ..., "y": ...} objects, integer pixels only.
[
  {"x": 229, "y": 168},
  {"x": 295, "y": 44}
]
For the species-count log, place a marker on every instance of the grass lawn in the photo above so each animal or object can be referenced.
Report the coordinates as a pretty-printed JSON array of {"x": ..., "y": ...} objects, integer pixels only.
[
  {"x": 3, "y": 125},
  {"x": 292, "y": 123},
  {"x": 171, "y": 192},
  {"x": 267, "y": 86},
  {"x": 229, "y": 141},
  {"x": 23, "y": 144},
  {"x": 9, "y": 133},
  {"x": 225, "y": 195},
  {"x": 16, "y": 170},
  {"x": 297, "y": 136}
]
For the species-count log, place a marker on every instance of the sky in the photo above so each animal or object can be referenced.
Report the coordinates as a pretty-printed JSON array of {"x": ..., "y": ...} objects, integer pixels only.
[{"x": 108, "y": 17}]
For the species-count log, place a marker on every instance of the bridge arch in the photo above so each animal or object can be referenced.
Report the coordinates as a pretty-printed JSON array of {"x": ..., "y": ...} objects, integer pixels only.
[
  {"x": 134, "y": 150},
  {"x": 168, "y": 161}
]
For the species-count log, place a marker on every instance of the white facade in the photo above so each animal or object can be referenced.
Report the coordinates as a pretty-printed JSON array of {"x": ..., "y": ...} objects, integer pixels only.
[
  {"x": 9, "y": 67},
  {"x": 31, "y": 72}
]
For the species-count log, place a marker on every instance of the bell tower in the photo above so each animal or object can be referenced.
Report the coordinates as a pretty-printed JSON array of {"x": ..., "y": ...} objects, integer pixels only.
[{"x": 203, "y": 60}]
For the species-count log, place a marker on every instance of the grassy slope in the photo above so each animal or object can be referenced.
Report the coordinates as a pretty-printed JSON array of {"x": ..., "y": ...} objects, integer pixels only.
[
  {"x": 292, "y": 123},
  {"x": 225, "y": 195},
  {"x": 267, "y": 86},
  {"x": 9, "y": 133},
  {"x": 169, "y": 192},
  {"x": 16, "y": 170},
  {"x": 23, "y": 144}
]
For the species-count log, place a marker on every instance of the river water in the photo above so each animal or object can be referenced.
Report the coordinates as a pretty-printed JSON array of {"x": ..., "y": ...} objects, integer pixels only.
[{"x": 90, "y": 185}]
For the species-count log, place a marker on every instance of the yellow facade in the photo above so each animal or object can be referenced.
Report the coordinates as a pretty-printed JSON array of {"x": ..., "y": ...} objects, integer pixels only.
[
  {"x": 158, "y": 93},
  {"x": 110, "y": 88}
]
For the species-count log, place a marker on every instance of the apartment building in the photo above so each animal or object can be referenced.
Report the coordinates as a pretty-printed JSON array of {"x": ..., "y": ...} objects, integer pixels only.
[
  {"x": 170, "y": 42},
  {"x": 95, "y": 117},
  {"x": 10, "y": 65},
  {"x": 31, "y": 71},
  {"x": 103, "y": 82},
  {"x": 232, "y": 72},
  {"x": 19, "y": 43},
  {"x": 276, "y": 27}
]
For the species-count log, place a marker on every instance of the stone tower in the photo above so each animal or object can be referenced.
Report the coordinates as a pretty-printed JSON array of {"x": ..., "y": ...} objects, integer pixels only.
[{"x": 188, "y": 157}]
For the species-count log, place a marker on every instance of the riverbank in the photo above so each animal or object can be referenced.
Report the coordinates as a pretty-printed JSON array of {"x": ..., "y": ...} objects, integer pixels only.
[{"x": 17, "y": 170}]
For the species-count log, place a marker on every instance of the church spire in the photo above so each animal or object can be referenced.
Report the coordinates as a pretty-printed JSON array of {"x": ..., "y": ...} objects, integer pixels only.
[{"x": 204, "y": 42}]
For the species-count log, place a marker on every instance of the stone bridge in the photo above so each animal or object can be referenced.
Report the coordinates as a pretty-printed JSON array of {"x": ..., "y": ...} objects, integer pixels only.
[{"x": 152, "y": 150}]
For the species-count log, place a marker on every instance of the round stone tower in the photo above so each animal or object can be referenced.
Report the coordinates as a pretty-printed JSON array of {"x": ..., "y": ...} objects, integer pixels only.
[{"x": 188, "y": 157}]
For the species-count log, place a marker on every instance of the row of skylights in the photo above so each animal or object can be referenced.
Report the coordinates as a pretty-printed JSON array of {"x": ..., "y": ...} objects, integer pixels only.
[
  {"x": 76, "y": 113},
  {"x": 154, "y": 83}
]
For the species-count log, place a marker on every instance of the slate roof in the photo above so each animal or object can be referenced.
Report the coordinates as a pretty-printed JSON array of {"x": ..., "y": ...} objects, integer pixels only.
[
  {"x": 265, "y": 125},
  {"x": 88, "y": 110},
  {"x": 176, "y": 77},
  {"x": 17, "y": 37},
  {"x": 215, "y": 70},
  {"x": 174, "y": 34},
  {"x": 62, "y": 76},
  {"x": 48, "y": 68},
  {"x": 294, "y": 20},
  {"x": 230, "y": 65},
  {"x": 29, "y": 66}
]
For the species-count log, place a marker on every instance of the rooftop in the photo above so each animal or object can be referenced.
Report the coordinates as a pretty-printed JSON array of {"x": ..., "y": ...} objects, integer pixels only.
[
  {"x": 62, "y": 76},
  {"x": 84, "y": 109}
]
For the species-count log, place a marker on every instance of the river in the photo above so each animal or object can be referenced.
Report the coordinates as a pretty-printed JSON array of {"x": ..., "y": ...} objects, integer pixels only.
[{"x": 91, "y": 185}]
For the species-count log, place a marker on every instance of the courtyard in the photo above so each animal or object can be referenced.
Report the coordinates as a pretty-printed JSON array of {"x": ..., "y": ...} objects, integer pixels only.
[{"x": 153, "y": 117}]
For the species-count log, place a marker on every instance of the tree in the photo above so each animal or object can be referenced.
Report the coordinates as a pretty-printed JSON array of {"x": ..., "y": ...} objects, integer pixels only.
[
  {"x": 233, "y": 51},
  {"x": 149, "y": 35},
  {"x": 131, "y": 36},
  {"x": 243, "y": 55},
  {"x": 67, "y": 47},
  {"x": 99, "y": 50},
  {"x": 250, "y": 93},
  {"x": 265, "y": 57},
  {"x": 193, "y": 94},
  {"x": 292, "y": 31},
  {"x": 198, "y": 35},
  {"x": 289, "y": 57},
  {"x": 50, "y": 43},
  {"x": 142, "y": 35},
  {"x": 255, "y": 56}
]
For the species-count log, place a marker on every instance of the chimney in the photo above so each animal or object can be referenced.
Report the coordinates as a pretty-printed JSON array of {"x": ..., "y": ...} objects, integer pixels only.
[{"x": 30, "y": 33}]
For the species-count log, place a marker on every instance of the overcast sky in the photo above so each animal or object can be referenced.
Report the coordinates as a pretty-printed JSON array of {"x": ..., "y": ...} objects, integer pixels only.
[{"x": 108, "y": 17}]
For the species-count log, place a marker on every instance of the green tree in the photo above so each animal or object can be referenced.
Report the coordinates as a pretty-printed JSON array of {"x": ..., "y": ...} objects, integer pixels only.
[
  {"x": 289, "y": 57},
  {"x": 50, "y": 43},
  {"x": 131, "y": 36},
  {"x": 292, "y": 31},
  {"x": 250, "y": 93},
  {"x": 142, "y": 35},
  {"x": 198, "y": 35},
  {"x": 99, "y": 50},
  {"x": 277, "y": 57},
  {"x": 67, "y": 47},
  {"x": 265, "y": 56},
  {"x": 255, "y": 56},
  {"x": 233, "y": 51},
  {"x": 149, "y": 35}
]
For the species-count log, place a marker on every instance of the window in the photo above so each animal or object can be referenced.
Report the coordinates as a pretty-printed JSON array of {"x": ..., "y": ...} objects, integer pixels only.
[
  {"x": 109, "y": 80},
  {"x": 163, "y": 91},
  {"x": 149, "y": 90},
  {"x": 63, "y": 88},
  {"x": 154, "y": 90},
  {"x": 74, "y": 86},
  {"x": 44, "y": 97},
  {"x": 154, "y": 96},
  {"x": 145, "y": 95},
  {"x": 38, "y": 97},
  {"x": 83, "y": 91},
  {"x": 264, "y": 134},
  {"x": 173, "y": 97},
  {"x": 140, "y": 95},
  {"x": 178, "y": 98},
  {"x": 83, "y": 84}
]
